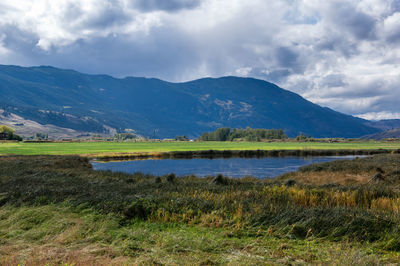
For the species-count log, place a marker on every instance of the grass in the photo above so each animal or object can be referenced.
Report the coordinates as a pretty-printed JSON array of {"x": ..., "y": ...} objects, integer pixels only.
[
  {"x": 152, "y": 243},
  {"x": 357, "y": 171},
  {"x": 57, "y": 210},
  {"x": 62, "y": 235},
  {"x": 104, "y": 148}
]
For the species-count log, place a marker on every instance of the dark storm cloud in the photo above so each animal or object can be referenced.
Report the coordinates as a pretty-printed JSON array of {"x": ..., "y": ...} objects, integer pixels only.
[
  {"x": 165, "y": 5},
  {"x": 344, "y": 16},
  {"x": 125, "y": 55},
  {"x": 336, "y": 42},
  {"x": 389, "y": 101},
  {"x": 105, "y": 16},
  {"x": 286, "y": 57},
  {"x": 18, "y": 40},
  {"x": 360, "y": 25}
]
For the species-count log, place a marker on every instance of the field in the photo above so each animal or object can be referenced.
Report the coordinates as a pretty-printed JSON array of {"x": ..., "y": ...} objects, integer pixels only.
[
  {"x": 104, "y": 148},
  {"x": 56, "y": 210}
]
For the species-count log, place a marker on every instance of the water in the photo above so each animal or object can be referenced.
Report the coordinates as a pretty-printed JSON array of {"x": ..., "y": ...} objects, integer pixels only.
[{"x": 233, "y": 167}]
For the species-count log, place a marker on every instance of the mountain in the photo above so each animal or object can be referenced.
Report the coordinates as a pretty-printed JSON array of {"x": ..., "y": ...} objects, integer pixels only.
[
  {"x": 25, "y": 127},
  {"x": 388, "y": 134},
  {"x": 101, "y": 103},
  {"x": 386, "y": 124}
]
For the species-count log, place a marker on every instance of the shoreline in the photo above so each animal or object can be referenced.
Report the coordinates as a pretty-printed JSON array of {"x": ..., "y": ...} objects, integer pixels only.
[{"x": 210, "y": 154}]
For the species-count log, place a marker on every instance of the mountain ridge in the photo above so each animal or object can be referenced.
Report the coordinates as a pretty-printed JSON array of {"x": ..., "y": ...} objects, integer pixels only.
[
  {"x": 387, "y": 134},
  {"x": 93, "y": 103}
]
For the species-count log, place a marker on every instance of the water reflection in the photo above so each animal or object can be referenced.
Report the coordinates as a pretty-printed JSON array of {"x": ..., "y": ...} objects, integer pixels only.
[{"x": 232, "y": 167}]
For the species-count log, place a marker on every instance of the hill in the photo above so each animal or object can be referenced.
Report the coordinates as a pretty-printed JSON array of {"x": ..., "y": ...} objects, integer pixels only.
[
  {"x": 152, "y": 107},
  {"x": 388, "y": 134},
  {"x": 386, "y": 124}
]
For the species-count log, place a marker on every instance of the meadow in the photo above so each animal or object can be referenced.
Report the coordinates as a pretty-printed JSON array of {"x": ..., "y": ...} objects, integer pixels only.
[
  {"x": 110, "y": 148},
  {"x": 56, "y": 210}
]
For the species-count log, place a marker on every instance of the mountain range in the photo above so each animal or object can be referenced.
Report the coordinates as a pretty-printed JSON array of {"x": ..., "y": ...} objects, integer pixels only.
[{"x": 68, "y": 101}]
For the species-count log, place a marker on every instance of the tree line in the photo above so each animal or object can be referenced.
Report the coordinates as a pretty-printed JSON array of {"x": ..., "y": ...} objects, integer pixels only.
[{"x": 248, "y": 134}]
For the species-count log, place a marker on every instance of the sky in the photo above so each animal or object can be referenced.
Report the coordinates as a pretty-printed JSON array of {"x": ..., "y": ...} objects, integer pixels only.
[{"x": 341, "y": 54}]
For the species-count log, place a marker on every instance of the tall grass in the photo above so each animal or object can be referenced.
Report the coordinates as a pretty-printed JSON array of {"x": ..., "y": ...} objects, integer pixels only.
[
  {"x": 38, "y": 181},
  {"x": 246, "y": 208}
]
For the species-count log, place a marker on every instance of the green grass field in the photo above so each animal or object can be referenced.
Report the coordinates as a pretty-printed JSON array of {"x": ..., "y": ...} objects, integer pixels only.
[{"x": 75, "y": 148}]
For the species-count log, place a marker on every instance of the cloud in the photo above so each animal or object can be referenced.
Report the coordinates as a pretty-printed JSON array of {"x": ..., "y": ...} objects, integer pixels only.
[
  {"x": 380, "y": 115},
  {"x": 391, "y": 28},
  {"x": 346, "y": 16},
  {"x": 164, "y": 5},
  {"x": 340, "y": 54}
]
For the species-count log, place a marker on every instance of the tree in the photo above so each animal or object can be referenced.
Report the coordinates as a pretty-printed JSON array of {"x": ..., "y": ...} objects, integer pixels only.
[
  {"x": 124, "y": 136},
  {"x": 249, "y": 134},
  {"x": 301, "y": 137},
  {"x": 9, "y": 131},
  {"x": 6, "y": 129},
  {"x": 222, "y": 133},
  {"x": 41, "y": 136},
  {"x": 181, "y": 138}
]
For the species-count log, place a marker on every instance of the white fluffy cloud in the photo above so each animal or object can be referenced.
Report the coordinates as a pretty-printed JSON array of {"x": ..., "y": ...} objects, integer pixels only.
[{"x": 340, "y": 54}]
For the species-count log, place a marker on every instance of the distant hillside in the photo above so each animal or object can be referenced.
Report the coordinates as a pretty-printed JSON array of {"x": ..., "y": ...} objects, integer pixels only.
[
  {"x": 388, "y": 134},
  {"x": 27, "y": 128},
  {"x": 100, "y": 103},
  {"x": 386, "y": 124}
]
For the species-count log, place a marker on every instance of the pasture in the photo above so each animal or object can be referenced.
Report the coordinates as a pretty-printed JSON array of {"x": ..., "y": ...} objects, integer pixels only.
[{"x": 109, "y": 148}]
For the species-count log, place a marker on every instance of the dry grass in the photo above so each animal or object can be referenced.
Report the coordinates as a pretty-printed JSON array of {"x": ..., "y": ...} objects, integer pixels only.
[
  {"x": 326, "y": 177},
  {"x": 32, "y": 255}
]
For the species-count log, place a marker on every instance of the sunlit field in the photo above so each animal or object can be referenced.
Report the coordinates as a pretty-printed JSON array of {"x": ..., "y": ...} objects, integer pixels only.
[{"x": 79, "y": 148}]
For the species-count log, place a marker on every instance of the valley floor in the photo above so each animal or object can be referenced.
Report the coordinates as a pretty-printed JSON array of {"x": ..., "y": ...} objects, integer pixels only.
[
  {"x": 57, "y": 210},
  {"x": 94, "y": 149}
]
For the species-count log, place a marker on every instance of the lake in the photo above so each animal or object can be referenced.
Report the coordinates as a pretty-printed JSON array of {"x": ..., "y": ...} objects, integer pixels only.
[{"x": 266, "y": 167}]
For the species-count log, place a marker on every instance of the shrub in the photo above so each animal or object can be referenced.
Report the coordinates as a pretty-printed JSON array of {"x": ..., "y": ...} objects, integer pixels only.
[
  {"x": 220, "y": 180},
  {"x": 171, "y": 178},
  {"x": 137, "y": 210}
]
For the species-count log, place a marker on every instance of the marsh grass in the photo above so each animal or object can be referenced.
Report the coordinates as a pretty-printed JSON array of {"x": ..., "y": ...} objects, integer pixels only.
[
  {"x": 61, "y": 209},
  {"x": 65, "y": 236}
]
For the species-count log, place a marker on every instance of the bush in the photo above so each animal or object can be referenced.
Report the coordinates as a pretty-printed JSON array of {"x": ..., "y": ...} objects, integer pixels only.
[
  {"x": 137, "y": 210},
  {"x": 298, "y": 231},
  {"x": 171, "y": 178},
  {"x": 220, "y": 180}
]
